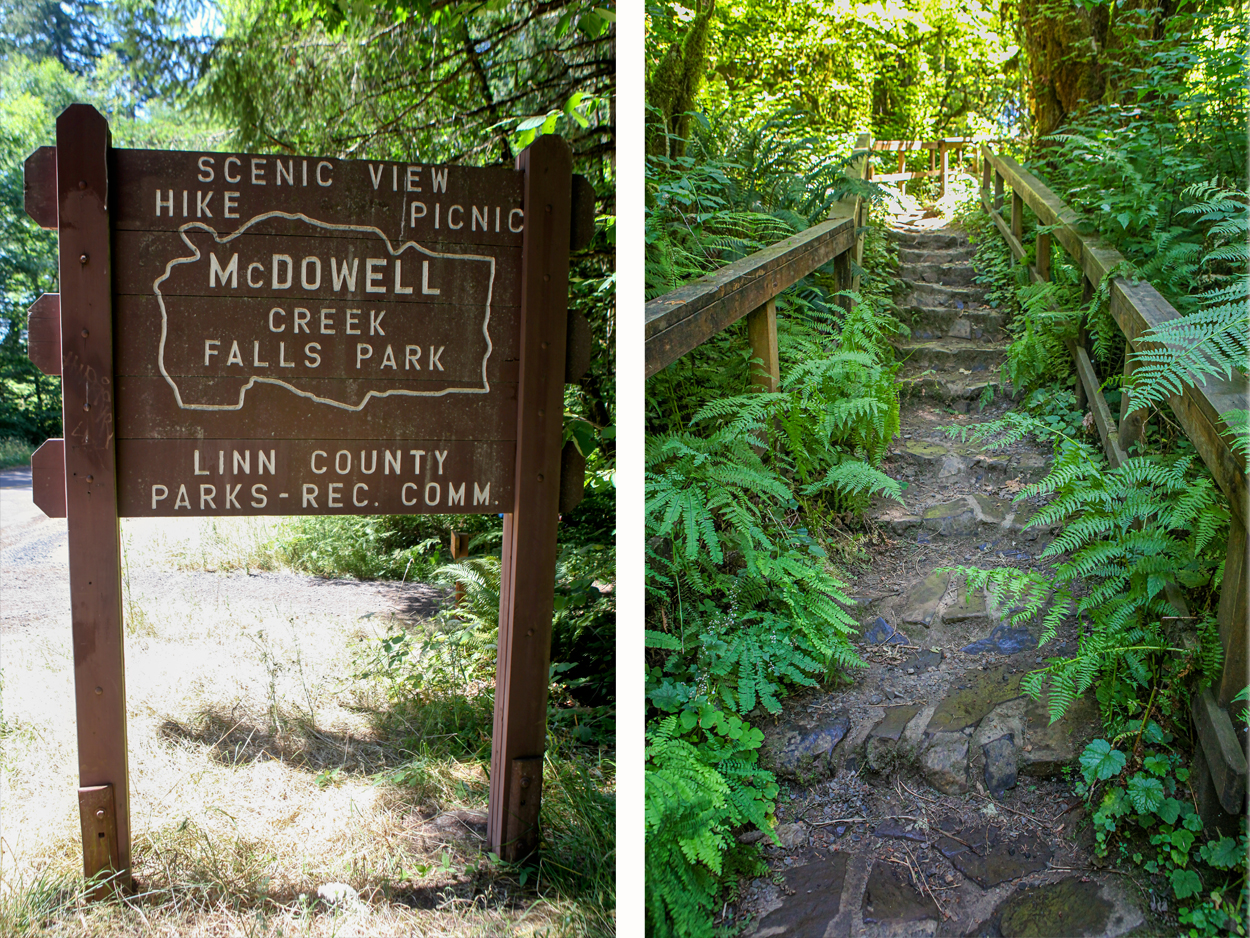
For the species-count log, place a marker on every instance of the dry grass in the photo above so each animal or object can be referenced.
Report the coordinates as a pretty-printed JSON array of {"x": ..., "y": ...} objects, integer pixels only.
[{"x": 257, "y": 776}]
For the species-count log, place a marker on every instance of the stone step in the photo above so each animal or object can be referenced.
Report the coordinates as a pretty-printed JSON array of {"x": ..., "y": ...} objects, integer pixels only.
[
  {"x": 949, "y": 355},
  {"x": 923, "y": 255},
  {"x": 938, "y": 295},
  {"x": 959, "y": 391},
  {"x": 948, "y": 273},
  {"x": 927, "y": 239},
  {"x": 940, "y": 322}
]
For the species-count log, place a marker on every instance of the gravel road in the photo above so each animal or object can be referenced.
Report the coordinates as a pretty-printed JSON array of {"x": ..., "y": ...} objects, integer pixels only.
[{"x": 34, "y": 573}]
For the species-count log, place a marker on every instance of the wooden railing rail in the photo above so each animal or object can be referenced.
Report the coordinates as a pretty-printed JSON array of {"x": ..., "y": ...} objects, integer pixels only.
[
  {"x": 685, "y": 318},
  {"x": 939, "y": 152},
  {"x": 1138, "y": 308}
]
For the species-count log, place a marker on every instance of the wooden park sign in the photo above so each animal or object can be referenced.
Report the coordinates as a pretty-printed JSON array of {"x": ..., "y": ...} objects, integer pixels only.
[{"x": 283, "y": 335}]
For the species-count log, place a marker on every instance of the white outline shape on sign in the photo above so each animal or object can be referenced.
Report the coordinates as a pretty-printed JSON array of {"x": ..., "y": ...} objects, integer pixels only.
[{"x": 255, "y": 379}]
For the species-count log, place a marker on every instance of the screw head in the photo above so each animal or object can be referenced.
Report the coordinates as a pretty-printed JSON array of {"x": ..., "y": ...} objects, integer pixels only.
[
  {"x": 540, "y": 477},
  {"x": 100, "y": 813},
  {"x": 525, "y": 781},
  {"x": 86, "y": 406},
  {"x": 90, "y": 478},
  {"x": 85, "y": 333},
  {"x": 82, "y": 259},
  {"x": 82, "y": 183},
  {"x": 99, "y": 691}
]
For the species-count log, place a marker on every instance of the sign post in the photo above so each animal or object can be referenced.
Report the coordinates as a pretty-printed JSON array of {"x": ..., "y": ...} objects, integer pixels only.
[{"x": 245, "y": 335}]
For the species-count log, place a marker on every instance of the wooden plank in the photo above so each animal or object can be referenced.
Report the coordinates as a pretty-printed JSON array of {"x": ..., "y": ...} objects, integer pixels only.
[
  {"x": 216, "y": 478},
  {"x": 90, "y": 470},
  {"x": 1225, "y": 757},
  {"x": 147, "y": 409},
  {"x": 685, "y": 318},
  {"x": 43, "y": 334},
  {"x": 815, "y": 245},
  {"x": 47, "y": 478},
  {"x": 302, "y": 268},
  {"x": 215, "y": 337},
  {"x": 1098, "y": 405},
  {"x": 762, "y": 331},
  {"x": 527, "y": 590},
  {"x": 166, "y": 189},
  {"x": 39, "y": 184},
  {"x": 1017, "y": 216},
  {"x": 998, "y": 192}
]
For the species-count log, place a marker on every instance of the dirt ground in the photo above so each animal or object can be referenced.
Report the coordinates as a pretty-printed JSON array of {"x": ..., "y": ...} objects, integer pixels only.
[{"x": 260, "y": 796}]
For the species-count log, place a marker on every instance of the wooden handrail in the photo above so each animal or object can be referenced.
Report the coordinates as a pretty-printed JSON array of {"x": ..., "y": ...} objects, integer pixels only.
[
  {"x": 685, "y": 318},
  {"x": 1138, "y": 308}
]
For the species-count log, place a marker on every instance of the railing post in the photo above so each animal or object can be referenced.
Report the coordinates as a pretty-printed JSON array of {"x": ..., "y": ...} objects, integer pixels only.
[
  {"x": 860, "y": 169},
  {"x": 998, "y": 192},
  {"x": 1232, "y": 615},
  {"x": 986, "y": 170},
  {"x": 1087, "y": 293},
  {"x": 1132, "y": 422},
  {"x": 1042, "y": 261},
  {"x": 762, "y": 330},
  {"x": 945, "y": 164},
  {"x": 1017, "y": 216}
]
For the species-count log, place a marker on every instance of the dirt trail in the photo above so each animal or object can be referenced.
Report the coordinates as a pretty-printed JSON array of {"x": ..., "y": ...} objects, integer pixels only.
[
  {"x": 928, "y": 798},
  {"x": 34, "y": 573}
]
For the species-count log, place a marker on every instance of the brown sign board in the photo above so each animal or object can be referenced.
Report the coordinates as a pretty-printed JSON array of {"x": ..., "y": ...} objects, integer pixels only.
[
  {"x": 294, "y": 311},
  {"x": 256, "y": 335}
]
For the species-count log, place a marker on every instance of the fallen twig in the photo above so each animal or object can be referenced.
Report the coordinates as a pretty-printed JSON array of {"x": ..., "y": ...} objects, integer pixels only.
[{"x": 840, "y": 820}]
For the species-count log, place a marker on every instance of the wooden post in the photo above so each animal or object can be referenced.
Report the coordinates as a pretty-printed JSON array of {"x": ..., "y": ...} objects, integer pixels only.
[
  {"x": 864, "y": 143},
  {"x": 1087, "y": 292},
  {"x": 459, "y": 550},
  {"x": 986, "y": 170},
  {"x": 1132, "y": 422},
  {"x": 1017, "y": 216},
  {"x": 527, "y": 584},
  {"x": 945, "y": 164},
  {"x": 1043, "y": 252},
  {"x": 762, "y": 328},
  {"x": 82, "y": 143},
  {"x": 998, "y": 192},
  {"x": 1232, "y": 615}
]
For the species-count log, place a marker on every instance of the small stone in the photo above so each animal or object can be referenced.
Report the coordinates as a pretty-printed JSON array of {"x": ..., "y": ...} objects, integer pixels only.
[
  {"x": 945, "y": 763},
  {"x": 911, "y": 670},
  {"x": 1000, "y": 765},
  {"x": 874, "y": 699}
]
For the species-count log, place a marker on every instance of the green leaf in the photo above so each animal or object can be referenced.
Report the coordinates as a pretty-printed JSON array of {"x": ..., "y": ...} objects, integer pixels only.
[
  {"x": 1100, "y": 762},
  {"x": 1155, "y": 764},
  {"x": 1169, "y": 810},
  {"x": 661, "y": 640},
  {"x": 1185, "y": 883},
  {"x": 1182, "y": 840},
  {"x": 1124, "y": 218},
  {"x": 1145, "y": 793},
  {"x": 1223, "y": 854}
]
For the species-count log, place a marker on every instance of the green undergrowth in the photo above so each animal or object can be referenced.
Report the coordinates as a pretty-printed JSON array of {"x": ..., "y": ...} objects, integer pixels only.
[
  {"x": 14, "y": 452},
  {"x": 744, "y": 601}
]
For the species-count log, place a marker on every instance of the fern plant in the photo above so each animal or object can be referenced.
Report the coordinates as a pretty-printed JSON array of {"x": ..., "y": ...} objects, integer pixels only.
[
  {"x": 1214, "y": 339},
  {"x": 1128, "y": 535}
]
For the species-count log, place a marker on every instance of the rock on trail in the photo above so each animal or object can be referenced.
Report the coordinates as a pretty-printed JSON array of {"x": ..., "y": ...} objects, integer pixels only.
[{"x": 928, "y": 797}]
